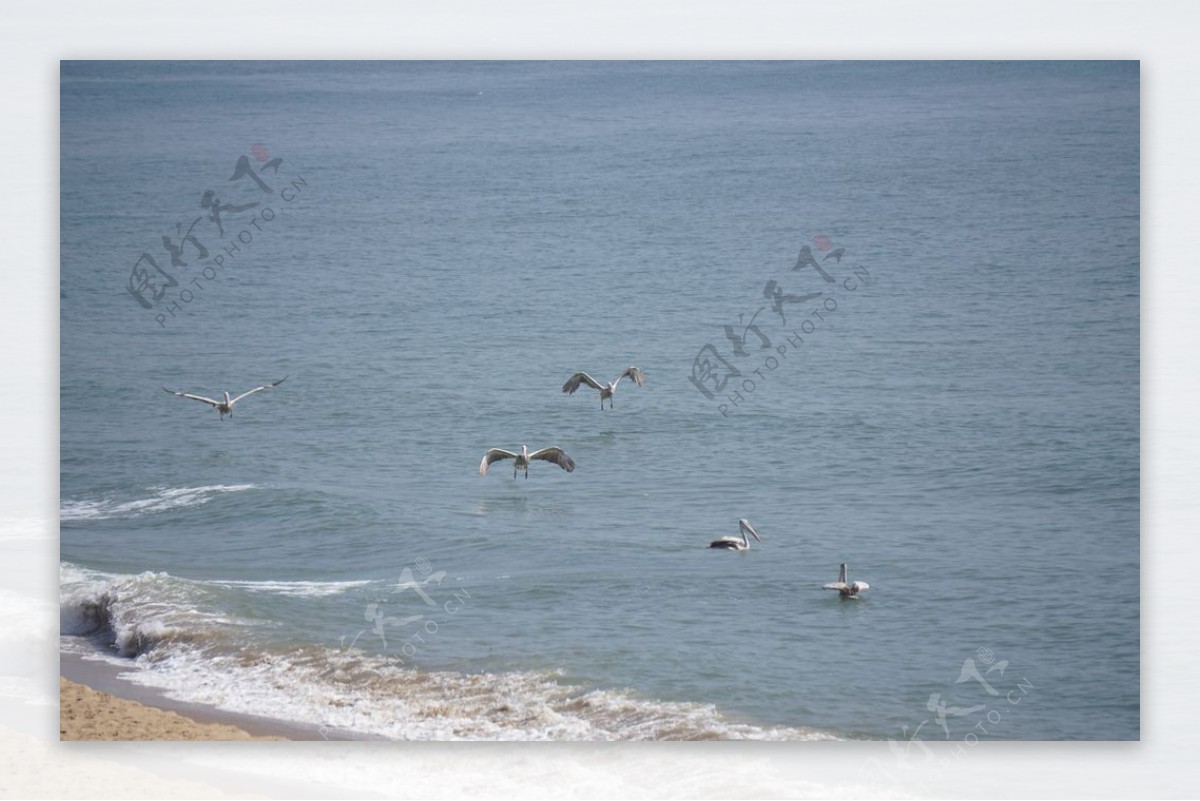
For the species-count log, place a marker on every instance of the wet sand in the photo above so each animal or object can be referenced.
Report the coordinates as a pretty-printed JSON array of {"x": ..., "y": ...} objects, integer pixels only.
[
  {"x": 86, "y": 714},
  {"x": 123, "y": 711}
]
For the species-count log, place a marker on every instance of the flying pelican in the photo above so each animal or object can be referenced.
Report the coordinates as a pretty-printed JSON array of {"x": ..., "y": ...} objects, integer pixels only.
[
  {"x": 606, "y": 390},
  {"x": 225, "y": 407},
  {"x": 847, "y": 590},
  {"x": 735, "y": 543},
  {"x": 556, "y": 455}
]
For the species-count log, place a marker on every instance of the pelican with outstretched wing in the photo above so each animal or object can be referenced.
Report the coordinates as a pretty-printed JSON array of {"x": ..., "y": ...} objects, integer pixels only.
[
  {"x": 521, "y": 460},
  {"x": 847, "y": 590},
  {"x": 225, "y": 406},
  {"x": 737, "y": 543},
  {"x": 606, "y": 390}
]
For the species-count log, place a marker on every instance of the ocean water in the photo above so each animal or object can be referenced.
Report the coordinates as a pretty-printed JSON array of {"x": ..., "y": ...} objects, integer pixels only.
[{"x": 955, "y": 414}]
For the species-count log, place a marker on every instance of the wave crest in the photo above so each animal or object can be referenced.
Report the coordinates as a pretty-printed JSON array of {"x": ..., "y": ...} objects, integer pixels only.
[{"x": 164, "y": 499}]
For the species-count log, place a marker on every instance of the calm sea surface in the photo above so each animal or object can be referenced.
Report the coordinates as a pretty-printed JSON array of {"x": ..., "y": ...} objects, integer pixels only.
[{"x": 443, "y": 244}]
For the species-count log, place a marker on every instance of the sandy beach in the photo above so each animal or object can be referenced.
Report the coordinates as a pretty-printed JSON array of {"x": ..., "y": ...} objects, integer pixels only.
[{"x": 86, "y": 714}]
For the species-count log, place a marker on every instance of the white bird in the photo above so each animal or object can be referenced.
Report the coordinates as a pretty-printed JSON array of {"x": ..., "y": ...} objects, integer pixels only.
[
  {"x": 556, "y": 455},
  {"x": 737, "y": 543},
  {"x": 606, "y": 390},
  {"x": 225, "y": 407},
  {"x": 847, "y": 590}
]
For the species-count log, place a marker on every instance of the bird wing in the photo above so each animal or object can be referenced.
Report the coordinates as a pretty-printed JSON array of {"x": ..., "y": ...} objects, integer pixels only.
[
  {"x": 749, "y": 529},
  {"x": 258, "y": 389},
  {"x": 200, "y": 398},
  {"x": 633, "y": 374},
  {"x": 556, "y": 455},
  {"x": 574, "y": 381},
  {"x": 494, "y": 455},
  {"x": 837, "y": 585},
  {"x": 859, "y": 586}
]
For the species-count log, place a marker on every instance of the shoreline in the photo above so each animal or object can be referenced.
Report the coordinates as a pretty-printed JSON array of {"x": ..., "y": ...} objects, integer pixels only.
[
  {"x": 88, "y": 715},
  {"x": 96, "y": 704},
  {"x": 94, "y": 692}
]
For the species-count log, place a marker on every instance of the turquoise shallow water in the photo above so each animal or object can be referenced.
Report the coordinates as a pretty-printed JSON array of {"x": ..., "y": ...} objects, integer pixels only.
[{"x": 443, "y": 244}]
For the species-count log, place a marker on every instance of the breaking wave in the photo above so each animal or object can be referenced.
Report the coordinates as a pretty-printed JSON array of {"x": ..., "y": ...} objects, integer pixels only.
[{"x": 168, "y": 632}]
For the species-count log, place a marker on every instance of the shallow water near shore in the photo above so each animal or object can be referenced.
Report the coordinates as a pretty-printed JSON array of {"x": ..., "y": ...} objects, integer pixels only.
[{"x": 443, "y": 244}]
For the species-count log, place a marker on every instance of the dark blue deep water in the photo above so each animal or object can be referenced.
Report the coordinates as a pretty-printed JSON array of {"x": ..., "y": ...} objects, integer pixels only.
[{"x": 443, "y": 243}]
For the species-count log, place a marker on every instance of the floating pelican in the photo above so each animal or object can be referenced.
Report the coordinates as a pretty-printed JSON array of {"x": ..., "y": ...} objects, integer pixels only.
[
  {"x": 737, "y": 543},
  {"x": 225, "y": 407},
  {"x": 606, "y": 390},
  {"x": 847, "y": 590},
  {"x": 556, "y": 455}
]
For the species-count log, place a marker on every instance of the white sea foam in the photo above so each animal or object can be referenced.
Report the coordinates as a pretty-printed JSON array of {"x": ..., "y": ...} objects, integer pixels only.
[
  {"x": 295, "y": 589},
  {"x": 348, "y": 693},
  {"x": 167, "y": 630},
  {"x": 164, "y": 499},
  {"x": 139, "y": 613}
]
